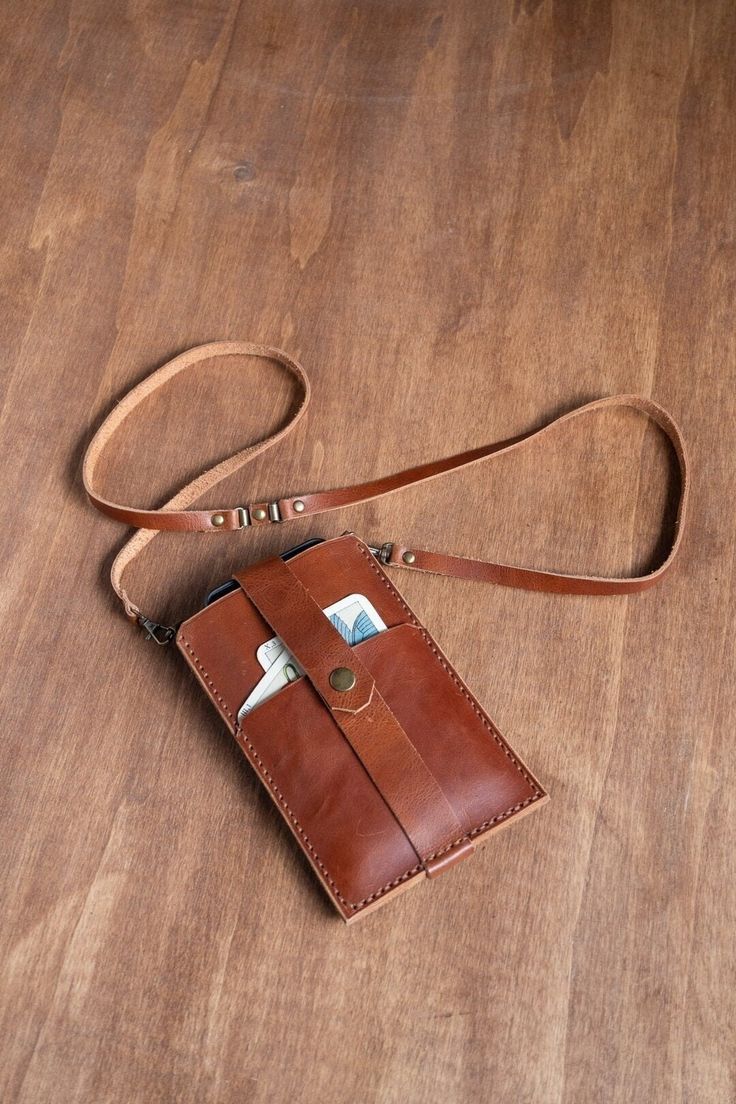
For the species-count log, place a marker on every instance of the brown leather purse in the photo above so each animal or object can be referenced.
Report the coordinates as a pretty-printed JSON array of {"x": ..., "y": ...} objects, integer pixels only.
[{"x": 378, "y": 757}]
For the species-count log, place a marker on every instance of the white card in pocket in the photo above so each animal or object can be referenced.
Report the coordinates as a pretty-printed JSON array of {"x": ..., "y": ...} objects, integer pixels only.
[{"x": 354, "y": 617}]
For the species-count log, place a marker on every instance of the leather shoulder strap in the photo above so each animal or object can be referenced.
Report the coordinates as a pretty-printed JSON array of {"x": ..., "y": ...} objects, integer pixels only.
[{"x": 175, "y": 515}]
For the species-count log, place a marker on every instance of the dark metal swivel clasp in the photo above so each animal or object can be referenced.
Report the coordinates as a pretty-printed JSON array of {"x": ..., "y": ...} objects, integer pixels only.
[{"x": 161, "y": 634}]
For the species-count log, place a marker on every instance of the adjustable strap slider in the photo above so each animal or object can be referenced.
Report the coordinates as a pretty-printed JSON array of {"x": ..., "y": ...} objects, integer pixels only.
[{"x": 258, "y": 513}]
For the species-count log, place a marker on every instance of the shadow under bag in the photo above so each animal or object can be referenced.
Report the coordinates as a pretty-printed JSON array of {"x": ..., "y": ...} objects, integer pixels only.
[{"x": 377, "y": 755}]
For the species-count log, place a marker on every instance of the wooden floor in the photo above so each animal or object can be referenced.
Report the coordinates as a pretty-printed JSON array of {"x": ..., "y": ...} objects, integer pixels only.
[{"x": 463, "y": 219}]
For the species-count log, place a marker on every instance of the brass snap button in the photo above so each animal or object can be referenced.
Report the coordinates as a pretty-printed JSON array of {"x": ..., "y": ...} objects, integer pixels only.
[
  {"x": 408, "y": 558},
  {"x": 218, "y": 520},
  {"x": 298, "y": 506},
  {"x": 259, "y": 514},
  {"x": 342, "y": 678}
]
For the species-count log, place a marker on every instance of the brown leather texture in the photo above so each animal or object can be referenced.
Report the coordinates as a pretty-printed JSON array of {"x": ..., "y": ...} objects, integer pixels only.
[
  {"x": 362, "y": 714},
  {"x": 395, "y": 780}
]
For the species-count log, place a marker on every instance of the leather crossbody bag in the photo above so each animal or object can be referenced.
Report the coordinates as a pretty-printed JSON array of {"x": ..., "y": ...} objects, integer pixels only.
[{"x": 379, "y": 758}]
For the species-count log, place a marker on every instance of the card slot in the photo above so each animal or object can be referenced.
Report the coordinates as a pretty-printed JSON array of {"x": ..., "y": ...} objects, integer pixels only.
[
  {"x": 220, "y": 641},
  {"x": 323, "y": 792},
  {"x": 285, "y": 689},
  {"x": 360, "y": 648},
  {"x": 327, "y": 797}
]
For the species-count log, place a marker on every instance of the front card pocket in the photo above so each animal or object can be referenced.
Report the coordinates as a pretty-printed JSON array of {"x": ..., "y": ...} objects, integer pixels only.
[{"x": 329, "y": 801}]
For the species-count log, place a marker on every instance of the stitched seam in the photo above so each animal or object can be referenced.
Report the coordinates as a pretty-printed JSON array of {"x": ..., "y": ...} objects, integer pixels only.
[
  {"x": 242, "y": 739},
  {"x": 440, "y": 659},
  {"x": 206, "y": 676},
  {"x": 262, "y": 769},
  {"x": 449, "y": 847}
]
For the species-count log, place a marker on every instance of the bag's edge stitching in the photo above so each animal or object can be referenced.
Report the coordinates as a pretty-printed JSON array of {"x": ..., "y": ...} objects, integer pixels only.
[
  {"x": 463, "y": 690},
  {"x": 263, "y": 770}
]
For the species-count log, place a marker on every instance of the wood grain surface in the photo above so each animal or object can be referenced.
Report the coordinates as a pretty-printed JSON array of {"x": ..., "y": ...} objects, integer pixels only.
[{"x": 463, "y": 218}]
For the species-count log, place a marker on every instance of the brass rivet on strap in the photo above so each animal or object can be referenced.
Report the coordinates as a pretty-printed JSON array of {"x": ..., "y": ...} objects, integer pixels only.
[
  {"x": 259, "y": 514},
  {"x": 342, "y": 678},
  {"x": 408, "y": 557},
  {"x": 299, "y": 506},
  {"x": 218, "y": 520}
]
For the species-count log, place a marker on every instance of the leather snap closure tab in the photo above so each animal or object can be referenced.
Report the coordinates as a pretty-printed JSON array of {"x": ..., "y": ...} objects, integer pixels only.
[{"x": 342, "y": 679}]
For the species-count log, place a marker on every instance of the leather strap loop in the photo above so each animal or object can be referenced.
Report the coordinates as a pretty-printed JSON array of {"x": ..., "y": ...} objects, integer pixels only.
[
  {"x": 174, "y": 515},
  {"x": 525, "y": 578}
]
